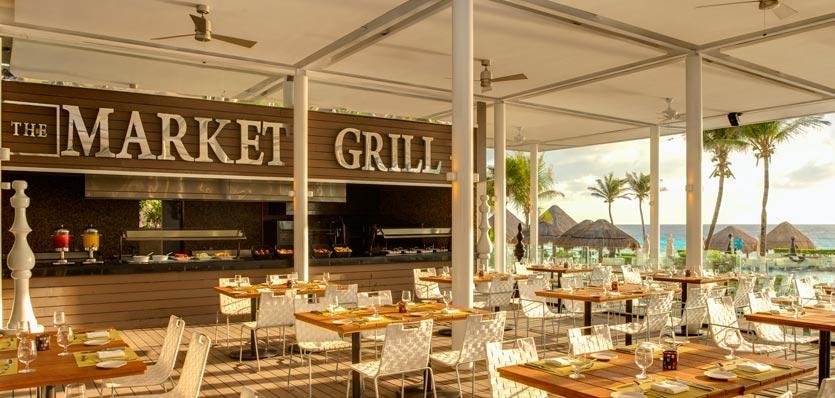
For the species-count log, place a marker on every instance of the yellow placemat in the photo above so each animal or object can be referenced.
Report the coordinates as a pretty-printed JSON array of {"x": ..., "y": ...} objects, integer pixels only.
[
  {"x": 8, "y": 343},
  {"x": 567, "y": 370},
  {"x": 89, "y": 358},
  {"x": 692, "y": 392},
  {"x": 81, "y": 337},
  {"x": 8, "y": 367},
  {"x": 762, "y": 376}
]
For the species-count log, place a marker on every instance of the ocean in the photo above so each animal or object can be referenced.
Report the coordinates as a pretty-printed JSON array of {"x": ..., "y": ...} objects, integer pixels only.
[{"x": 822, "y": 234}]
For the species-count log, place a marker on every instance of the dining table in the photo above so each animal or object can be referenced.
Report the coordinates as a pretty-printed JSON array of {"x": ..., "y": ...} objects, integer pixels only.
[
  {"x": 353, "y": 321},
  {"x": 820, "y": 319},
  {"x": 253, "y": 293},
  {"x": 486, "y": 277},
  {"x": 604, "y": 378},
  {"x": 558, "y": 270},
  {"x": 52, "y": 370},
  {"x": 597, "y": 295}
]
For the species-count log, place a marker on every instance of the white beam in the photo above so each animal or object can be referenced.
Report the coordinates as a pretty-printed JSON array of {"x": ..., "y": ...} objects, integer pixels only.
[
  {"x": 693, "y": 140},
  {"x": 301, "y": 246},
  {"x": 499, "y": 186},
  {"x": 654, "y": 197},
  {"x": 462, "y": 159},
  {"x": 772, "y": 75},
  {"x": 533, "y": 218}
]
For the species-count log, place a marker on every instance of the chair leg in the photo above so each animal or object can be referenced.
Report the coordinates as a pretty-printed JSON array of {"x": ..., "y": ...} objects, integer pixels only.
[
  {"x": 336, "y": 371},
  {"x": 289, "y": 362},
  {"x": 348, "y": 389},
  {"x": 403, "y": 385},
  {"x": 257, "y": 352},
  {"x": 309, "y": 375},
  {"x": 432, "y": 376},
  {"x": 241, "y": 348},
  {"x": 458, "y": 379},
  {"x": 376, "y": 388},
  {"x": 227, "y": 331},
  {"x": 472, "y": 380}
]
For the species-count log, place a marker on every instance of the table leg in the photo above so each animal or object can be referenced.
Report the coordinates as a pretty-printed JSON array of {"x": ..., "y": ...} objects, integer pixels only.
[
  {"x": 356, "y": 391},
  {"x": 684, "y": 330},
  {"x": 253, "y": 305},
  {"x": 587, "y": 313},
  {"x": 628, "y": 337},
  {"x": 559, "y": 286},
  {"x": 823, "y": 360},
  {"x": 47, "y": 391}
]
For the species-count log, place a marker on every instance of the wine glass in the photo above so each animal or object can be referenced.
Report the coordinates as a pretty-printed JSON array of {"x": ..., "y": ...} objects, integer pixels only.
[
  {"x": 445, "y": 270},
  {"x": 578, "y": 363},
  {"x": 794, "y": 303},
  {"x": 59, "y": 318},
  {"x": 64, "y": 337},
  {"x": 326, "y": 276},
  {"x": 75, "y": 391},
  {"x": 447, "y": 297},
  {"x": 375, "y": 304},
  {"x": 26, "y": 353},
  {"x": 733, "y": 340},
  {"x": 406, "y": 296},
  {"x": 333, "y": 304},
  {"x": 643, "y": 359},
  {"x": 23, "y": 330},
  {"x": 238, "y": 280},
  {"x": 667, "y": 336}
]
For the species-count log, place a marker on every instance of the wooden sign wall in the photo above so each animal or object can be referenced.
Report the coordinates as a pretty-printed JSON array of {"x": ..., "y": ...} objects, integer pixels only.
[{"x": 71, "y": 129}]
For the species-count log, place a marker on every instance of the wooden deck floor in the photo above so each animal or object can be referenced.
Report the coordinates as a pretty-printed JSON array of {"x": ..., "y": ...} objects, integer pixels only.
[{"x": 224, "y": 377}]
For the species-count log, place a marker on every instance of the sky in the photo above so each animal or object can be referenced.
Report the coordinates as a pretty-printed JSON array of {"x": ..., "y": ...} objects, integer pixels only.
[{"x": 802, "y": 181}]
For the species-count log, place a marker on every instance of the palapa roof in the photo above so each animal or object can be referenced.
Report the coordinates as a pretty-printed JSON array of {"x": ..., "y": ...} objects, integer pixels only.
[
  {"x": 720, "y": 239},
  {"x": 600, "y": 233},
  {"x": 511, "y": 223},
  {"x": 560, "y": 221},
  {"x": 781, "y": 237}
]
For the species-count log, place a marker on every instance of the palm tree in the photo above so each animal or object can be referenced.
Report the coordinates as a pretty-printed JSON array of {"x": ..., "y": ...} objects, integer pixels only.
[
  {"x": 720, "y": 143},
  {"x": 763, "y": 139},
  {"x": 639, "y": 186},
  {"x": 610, "y": 188},
  {"x": 518, "y": 182}
]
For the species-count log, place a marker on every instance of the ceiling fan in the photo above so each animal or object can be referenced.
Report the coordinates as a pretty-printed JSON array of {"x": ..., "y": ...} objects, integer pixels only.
[
  {"x": 670, "y": 114},
  {"x": 486, "y": 79},
  {"x": 778, "y": 7},
  {"x": 203, "y": 30},
  {"x": 519, "y": 138}
]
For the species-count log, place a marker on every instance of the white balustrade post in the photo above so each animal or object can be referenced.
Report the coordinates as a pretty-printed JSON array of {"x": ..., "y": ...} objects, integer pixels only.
[
  {"x": 21, "y": 260},
  {"x": 483, "y": 246}
]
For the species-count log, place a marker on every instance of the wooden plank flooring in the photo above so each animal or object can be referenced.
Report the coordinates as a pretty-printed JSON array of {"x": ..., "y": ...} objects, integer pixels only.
[{"x": 224, "y": 376}]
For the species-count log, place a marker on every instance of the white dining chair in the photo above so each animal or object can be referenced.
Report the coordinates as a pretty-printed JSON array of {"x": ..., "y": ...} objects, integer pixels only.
[
  {"x": 537, "y": 307},
  {"x": 191, "y": 375},
  {"x": 498, "y": 296},
  {"x": 827, "y": 388},
  {"x": 695, "y": 309},
  {"x": 520, "y": 269},
  {"x": 723, "y": 320},
  {"x": 745, "y": 285},
  {"x": 599, "y": 275},
  {"x": 273, "y": 312},
  {"x": 406, "y": 350},
  {"x": 524, "y": 351},
  {"x": 425, "y": 290},
  {"x": 312, "y": 339},
  {"x": 774, "y": 334},
  {"x": 805, "y": 288},
  {"x": 160, "y": 372},
  {"x": 229, "y": 306},
  {"x": 480, "y": 330},
  {"x": 630, "y": 275},
  {"x": 366, "y": 299},
  {"x": 658, "y": 315},
  {"x": 598, "y": 338},
  {"x": 346, "y": 294}
]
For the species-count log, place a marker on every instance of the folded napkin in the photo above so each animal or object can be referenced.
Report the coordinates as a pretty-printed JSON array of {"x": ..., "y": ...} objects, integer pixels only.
[
  {"x": 98, "y": 334},
  {"x": 778, "y": 311},
  {"x": 669, "y": 387},
  {"x": 264, "y": 290},
  {"x": 558, "y": 361},
  {"x": 451, "y": 310},
  {"x": 110, "y": 354},
  {"x": 823, "y": 305},
  {"x": 753, "y": 367},
  {"x": 374, "y": 318}
]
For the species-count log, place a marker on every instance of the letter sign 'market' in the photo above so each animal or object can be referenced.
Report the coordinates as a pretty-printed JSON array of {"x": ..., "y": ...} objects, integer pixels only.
[
  {"x": 355, "y": 153},
  {"x": 210, "y": 141},
  {"x": 247, "y": 142},
  {"x": 176, "y": 140},
  {"x": 76, "y": 123},
  {"x": 135, "y": 126}
]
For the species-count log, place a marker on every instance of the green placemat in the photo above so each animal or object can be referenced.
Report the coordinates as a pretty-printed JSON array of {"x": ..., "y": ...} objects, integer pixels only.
[
  {"x": 89, "y": 358},
  {"x": 8, "y": 367},
  {"x": 565, "y": 370},
  {"x": 8, "y": 343},
  {"x": 692, "y": 392},
  {"x": 775, "y": 372},
  {"x": 81, "y": 337}
]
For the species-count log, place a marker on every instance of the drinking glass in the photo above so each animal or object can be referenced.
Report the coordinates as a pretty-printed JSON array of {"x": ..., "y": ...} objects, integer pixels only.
[
  {"x": 445, "y": 270},
  {"x": 795, "y": 305},
  {"x": 447, "y": 297},
  {"x": 26, "y": 353},
  {"x": 578, "y": 363},
  {"x": 238, "y": 279},
  {"x": 643, "y": 359},
  {"x": 375, "y": 305},
  {"x": 59, "y": 318},
  {"x": 333, "y": 304},
  {"x": 406, "y": 296},
  {"x": 75, "y": 391},
  {"x": 23, "y": 330},
  {"x": 733, "y": 340},
  {"x": 64, "y": 337},
  {"x": 326, "y": 276}
]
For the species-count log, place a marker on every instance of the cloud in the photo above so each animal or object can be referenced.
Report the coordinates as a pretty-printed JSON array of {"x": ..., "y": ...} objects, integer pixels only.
[{"x": 811, "y": 173}]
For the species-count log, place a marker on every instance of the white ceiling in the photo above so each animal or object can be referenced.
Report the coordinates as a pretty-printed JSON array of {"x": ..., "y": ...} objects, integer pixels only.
[{"x": 598, "y": 69}]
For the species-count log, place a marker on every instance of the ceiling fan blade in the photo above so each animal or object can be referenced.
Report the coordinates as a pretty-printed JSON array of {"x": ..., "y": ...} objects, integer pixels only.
[
  {"x": 518, "y": 76},
  {"x": 234, "y": 40},
  {"x": 783, "y": 11},
  {"x": 171, "y": 37},
  {"x": 189, "y": 4},
  {"x": 199, "y": 22},
  {"x": 728, "y": 4}
]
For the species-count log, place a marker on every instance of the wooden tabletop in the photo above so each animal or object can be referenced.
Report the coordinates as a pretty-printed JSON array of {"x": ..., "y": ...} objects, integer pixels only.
[
  {"x": 557, "y": 269},
  {"x": 812, "y": 318},
  {"x": 250, "y": 292},
  {"x": 692, "y": 362},
  {"x": 353, "y": 321},
  {"x": 51, "y": 369},
  {"x": 625, "y": 292},
  {"x": 698, "y": 280},
  {"x": 488, "y": 277}
]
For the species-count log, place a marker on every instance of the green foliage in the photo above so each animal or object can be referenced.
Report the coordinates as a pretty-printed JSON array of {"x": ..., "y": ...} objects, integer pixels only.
[
  {"x": 150, "y": 214},
  {"x": 518, "y": 182},
  {"x": 821, "y": 252},
  {"x": 609, "y": 188}
]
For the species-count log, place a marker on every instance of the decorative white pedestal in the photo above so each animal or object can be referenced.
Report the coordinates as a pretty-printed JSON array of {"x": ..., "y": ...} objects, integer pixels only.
[{"x": 21, "y": 260}]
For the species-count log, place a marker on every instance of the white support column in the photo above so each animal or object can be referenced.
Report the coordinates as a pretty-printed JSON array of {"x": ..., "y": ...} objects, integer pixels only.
[
  {"x": 654, "y": 213},
  {"x": 533, "y": 228},
  {"x": 301, "y": 246},
  {"x": 462, "y": 160},
  {"x": 693, "y": 139},
  {"x": 499, "y": 187}
]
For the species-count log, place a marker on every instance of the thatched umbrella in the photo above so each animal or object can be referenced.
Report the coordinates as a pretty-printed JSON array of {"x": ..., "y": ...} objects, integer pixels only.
[
  {"x": 597, "y": 234},
  {"x": 558, "y": 219},
  {"x": 510, "y": 225},
  {"x": 721, "y": 240},
  {"x": 781, "y": 237}
]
